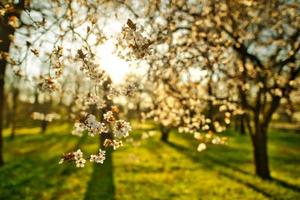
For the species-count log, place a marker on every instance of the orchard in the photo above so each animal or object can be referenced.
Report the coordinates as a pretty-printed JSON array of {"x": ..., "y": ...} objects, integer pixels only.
[{"x": 149, "y": 99}]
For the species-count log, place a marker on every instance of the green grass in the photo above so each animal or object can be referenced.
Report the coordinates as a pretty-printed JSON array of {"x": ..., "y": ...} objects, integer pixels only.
[{"x": 147, "y": 169}]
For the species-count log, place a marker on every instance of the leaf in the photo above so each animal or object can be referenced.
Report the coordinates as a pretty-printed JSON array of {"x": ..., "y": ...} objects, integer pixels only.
[{"x": 131, "y": 24}]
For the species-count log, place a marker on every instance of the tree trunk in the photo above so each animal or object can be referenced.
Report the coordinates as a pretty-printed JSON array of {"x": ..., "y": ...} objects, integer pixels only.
[
  {"x": 259, "y": 141},
  {"x": 4, "y": 47},
  {"x": 7, "y": 116},
  {"x": 2, "y": 73},
  {"x": 5, "y": 31},
  {"x": 164, "y": 133},
  {"x": 242, "y": 126},
  {"x": 103, "y": 137},
  {"x": 44, "y": 125},
  {"x": 239, "y": 124},
  {"x": 13, "y": 114},
  {"x": 236, "y": 124}
]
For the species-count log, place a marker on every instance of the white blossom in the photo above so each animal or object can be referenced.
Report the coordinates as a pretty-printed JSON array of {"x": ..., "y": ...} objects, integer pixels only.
[
  {"x": 78, "y": 129},
  {"x": 99, "y": 158},
  {"x": 90, "y": 124},
  {"x": 78, "y": 154},
  {"x": 80, "y": 162},
  {"x": 201, "y": 147},
  {"x": 121, "y": 129},
  {"x": 109, "y": 116}
]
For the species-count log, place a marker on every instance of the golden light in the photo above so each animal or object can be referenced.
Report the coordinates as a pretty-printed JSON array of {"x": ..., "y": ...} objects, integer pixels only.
[{"x": 111, "y": 63}]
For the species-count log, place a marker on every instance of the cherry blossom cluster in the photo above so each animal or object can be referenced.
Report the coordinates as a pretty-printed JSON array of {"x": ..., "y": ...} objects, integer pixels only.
[
  {"x": 56, "y": 61},
  {"x": 84, "y": 102},
  {"x": 92, "y": 99},
  {"x": 91, "y": 125},
  {"x": 98, "y": 158},
  {"x": 79, "y": 160},
  {"x": 109, "y": 116},
  {"x": 121, "y": 129},
  {"x": 76, "y": 157},
  {"x": 131, "y": 43},
  {"x": 91, "y": 69},
  {"x": 113, "y": 143},
  {"x": 127, "y": 89},
  {"x": 78, "y": 129},
  {"x": 48, "y": 84}
]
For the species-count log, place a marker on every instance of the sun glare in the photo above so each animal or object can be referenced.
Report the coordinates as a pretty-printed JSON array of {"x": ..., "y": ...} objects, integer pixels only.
[{"x": 115, "y": 66}]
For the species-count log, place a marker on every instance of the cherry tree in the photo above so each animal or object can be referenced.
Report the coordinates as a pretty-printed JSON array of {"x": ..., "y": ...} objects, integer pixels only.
[
  {"x": 58, "y": 35},
  {"x": 248, "y": 51},
  {"x": 260, "y": 62},
  {"x": 180, "y": 98}
]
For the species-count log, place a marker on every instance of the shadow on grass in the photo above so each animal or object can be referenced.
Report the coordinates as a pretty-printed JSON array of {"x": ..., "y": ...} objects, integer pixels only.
[
  {"x": 101, "y": 185},
  {"x": 231, "y": 157},
  {"x": 275, "y": 180},
  {"x": 211, "y": 162},
  {"x": 249, "y": 185},
  {"x": 35, "y": 173},
  {"x": 286, "y": 185}
]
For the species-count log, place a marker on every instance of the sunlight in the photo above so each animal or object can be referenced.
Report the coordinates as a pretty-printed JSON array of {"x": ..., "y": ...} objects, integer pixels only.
[
  {"x": 114, "y": 66},
  {"x": 119, "y": 99}
]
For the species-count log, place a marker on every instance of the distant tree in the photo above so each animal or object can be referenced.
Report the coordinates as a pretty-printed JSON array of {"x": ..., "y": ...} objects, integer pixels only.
[
  {"x": 9, "y": 18},
  {"x": 15, "y": 99},
  {"x": 179, "y": 91},
  {"x": 249, "y": 49},
  {"x": 260, "y": 45}
]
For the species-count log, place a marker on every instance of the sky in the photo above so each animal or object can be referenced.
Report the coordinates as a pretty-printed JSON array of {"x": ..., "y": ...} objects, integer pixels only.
[{"x": 111, "y": 63}]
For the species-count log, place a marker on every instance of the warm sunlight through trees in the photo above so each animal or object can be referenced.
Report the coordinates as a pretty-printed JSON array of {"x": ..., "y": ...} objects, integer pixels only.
[
  {"x": 240, "y": 55},
  {"x": 193, "y": 70}
]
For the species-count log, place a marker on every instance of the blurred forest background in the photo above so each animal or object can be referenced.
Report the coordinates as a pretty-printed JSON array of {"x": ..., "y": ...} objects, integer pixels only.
[{"x": 211, "y": 90}]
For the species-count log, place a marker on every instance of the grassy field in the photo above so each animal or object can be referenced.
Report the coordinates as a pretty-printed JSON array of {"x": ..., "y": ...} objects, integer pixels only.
[{"x": 147, "y": 169}]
